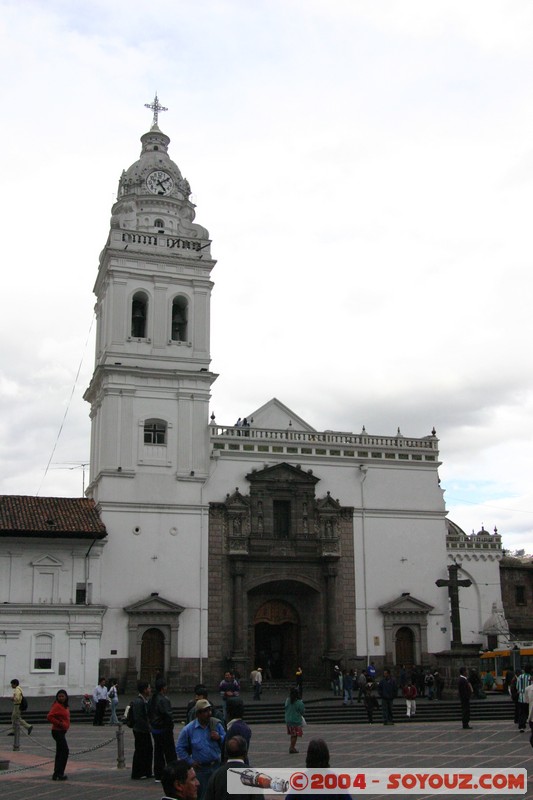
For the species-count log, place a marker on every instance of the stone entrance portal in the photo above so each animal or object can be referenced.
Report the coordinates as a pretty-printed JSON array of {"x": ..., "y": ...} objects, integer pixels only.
[
  {"x": 281, "y": 578},
  {"x": 276, "y": 639}
]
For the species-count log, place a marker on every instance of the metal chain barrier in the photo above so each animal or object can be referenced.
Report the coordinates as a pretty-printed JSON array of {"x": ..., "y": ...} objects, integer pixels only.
[{"x": 118, "y": 736}]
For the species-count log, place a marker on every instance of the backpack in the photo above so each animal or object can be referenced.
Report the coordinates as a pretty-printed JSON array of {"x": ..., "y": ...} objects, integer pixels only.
[
  {"x": 23, "y": 704},
  {"x": 128, "y": 716}
]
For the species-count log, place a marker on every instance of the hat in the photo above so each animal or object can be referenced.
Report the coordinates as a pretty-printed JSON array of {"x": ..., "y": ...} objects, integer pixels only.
[
  {"x": 260, "y": 669},
  {"x": 201, "y": 705}
]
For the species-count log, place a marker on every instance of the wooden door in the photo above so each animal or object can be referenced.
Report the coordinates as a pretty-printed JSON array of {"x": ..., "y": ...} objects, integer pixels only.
[{"x": 152, "y": 655}]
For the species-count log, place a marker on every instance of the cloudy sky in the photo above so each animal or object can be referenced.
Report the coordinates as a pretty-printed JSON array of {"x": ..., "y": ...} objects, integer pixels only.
[{"x": 365, "y": 170}]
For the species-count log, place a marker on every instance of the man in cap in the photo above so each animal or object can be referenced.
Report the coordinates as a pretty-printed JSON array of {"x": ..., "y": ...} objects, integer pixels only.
[
  {"x": 200, "y": 743},
  {"x": 256, "y": 676}
]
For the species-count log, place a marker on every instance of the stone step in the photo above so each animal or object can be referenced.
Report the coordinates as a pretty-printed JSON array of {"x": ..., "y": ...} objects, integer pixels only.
[{"x": 326, "y": 711}]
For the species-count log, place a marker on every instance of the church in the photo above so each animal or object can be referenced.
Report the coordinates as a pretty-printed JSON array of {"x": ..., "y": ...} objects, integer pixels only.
[{"x": 203, "y": 545}]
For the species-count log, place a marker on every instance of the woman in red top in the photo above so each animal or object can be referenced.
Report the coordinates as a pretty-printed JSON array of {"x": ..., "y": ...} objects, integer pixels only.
[{"x": 59, "y": 716}]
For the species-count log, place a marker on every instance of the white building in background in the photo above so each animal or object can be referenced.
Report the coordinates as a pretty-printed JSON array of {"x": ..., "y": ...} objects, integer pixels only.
[{"x": 270, "y": 544}]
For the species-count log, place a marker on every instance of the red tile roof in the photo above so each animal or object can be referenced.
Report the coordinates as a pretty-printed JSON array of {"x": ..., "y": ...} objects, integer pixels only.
[{"x": 52, "y": 517}]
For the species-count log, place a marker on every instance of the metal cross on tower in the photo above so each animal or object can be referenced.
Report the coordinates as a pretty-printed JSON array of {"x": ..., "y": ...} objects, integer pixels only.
[
  {"x": 156, "y": 107},
  {"x": 453, "y": 584}
]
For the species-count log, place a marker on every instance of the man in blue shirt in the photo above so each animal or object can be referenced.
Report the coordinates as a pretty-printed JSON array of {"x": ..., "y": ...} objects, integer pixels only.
[{"x": 200, "y": 743}]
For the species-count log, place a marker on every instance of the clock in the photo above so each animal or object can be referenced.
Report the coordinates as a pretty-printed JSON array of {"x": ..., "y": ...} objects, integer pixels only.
[{"x": 159, "y": 182}]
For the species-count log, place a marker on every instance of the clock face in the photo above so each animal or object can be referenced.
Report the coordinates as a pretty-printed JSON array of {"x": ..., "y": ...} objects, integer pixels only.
[{"x": 159, "y": 182}]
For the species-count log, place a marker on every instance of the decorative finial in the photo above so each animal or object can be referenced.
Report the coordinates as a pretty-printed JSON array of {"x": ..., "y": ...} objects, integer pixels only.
[{"x": 156, "y": 107}]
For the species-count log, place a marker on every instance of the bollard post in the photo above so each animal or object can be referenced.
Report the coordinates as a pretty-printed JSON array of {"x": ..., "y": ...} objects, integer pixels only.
[
  {"x": 121, "y": 762},
  {"x": 16, "y": 732}
]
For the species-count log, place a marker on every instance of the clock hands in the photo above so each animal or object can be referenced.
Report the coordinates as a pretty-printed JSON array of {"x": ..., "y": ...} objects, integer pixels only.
[{"x": 159, "y": 182}]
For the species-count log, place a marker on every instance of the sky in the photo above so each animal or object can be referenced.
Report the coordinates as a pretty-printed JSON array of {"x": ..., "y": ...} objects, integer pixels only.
[{"x": 365, "y": 171}]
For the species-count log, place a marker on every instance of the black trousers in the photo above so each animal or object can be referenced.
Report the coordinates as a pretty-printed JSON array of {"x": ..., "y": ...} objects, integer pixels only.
[
  {"x": 100, "y": 712},
  {"x": 465, "y": 712},
  {"x": 523, "y": 712},
  {"x": 62, "y": 752},
  {"x": 141, "y": 766},
  {"x": 386, "y": 708},
  {"x": 164, "y": 751}
]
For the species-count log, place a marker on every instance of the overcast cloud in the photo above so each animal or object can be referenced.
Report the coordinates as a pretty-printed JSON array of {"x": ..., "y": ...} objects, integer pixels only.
[{"x": 365, "y": 170}]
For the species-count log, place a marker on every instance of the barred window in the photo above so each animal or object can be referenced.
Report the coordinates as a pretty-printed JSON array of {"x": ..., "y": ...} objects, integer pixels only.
[{"x": 42, "y": 652}]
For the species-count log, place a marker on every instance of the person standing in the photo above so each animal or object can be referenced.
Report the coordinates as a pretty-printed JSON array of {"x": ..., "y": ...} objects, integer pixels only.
[
  {"x": 387, "y": 691},
  {"x": 229, "y": 687},
  {"x": 256, "y": 677},
  {"x": 370, "y": 701},
  {"x": 439, "y": 684},
  {"x": 236, "y": 724},
  {"x": 409, "y": 692},
  {"x": 528, "y": 694},
  {"x": 347, "y": 683},
  {"x": 336, "y": 681},
  {"x": 429, "y": 683},
  {"x": 300, "y": 682},
  {"x": 361, "y": 683},
  {"x": 112, "y": 695},
  {"x": 464, "y": 687},
  {"x": 513, "y": 691},
  {"x": 200, "y": 743},
  {"x": 200, "y": 693},
  {"x": 100, "y": 702},
  {"x": 16, "y": 714},
  {"x": 141, "y": 765},
  {"x": 522, "y": 682},
  {"x": 160, "y": 714},
  {"x": 59, "y": 717},
  {"x": 294, "y": 718}
]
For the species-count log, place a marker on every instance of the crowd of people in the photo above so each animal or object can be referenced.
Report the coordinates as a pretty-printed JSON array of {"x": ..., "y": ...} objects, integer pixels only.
[{"x": 195, "y": 765}]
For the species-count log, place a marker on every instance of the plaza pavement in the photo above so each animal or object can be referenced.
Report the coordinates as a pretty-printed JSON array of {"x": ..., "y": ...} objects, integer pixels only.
[{"x": 93, "y": 773}]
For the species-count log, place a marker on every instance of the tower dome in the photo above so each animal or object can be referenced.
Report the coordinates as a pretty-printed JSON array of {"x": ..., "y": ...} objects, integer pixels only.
[{"x": 152, "y": 192}]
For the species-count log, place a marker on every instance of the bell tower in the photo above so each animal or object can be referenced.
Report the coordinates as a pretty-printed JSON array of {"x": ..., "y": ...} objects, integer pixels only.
[{"x": 150, "y": 389}]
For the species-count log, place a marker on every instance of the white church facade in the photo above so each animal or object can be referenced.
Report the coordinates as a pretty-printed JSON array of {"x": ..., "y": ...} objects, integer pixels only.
[{"x": 270, "y": 545}]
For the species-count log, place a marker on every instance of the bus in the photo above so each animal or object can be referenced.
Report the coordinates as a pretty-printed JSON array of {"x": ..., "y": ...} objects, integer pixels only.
[{"x": 502, "y": 659}]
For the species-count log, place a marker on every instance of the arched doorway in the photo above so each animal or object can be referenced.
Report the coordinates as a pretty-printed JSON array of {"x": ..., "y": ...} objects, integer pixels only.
[
  {"x": 152, "y": 655},
  {"x": 405, "y": 646},
  {"x": 276, "y": 632}
]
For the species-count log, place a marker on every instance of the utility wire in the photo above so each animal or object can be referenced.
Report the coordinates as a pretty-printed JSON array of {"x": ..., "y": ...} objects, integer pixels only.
[
  {"x": 486, "y": 505},
  {"x": 67, "y": 408}
]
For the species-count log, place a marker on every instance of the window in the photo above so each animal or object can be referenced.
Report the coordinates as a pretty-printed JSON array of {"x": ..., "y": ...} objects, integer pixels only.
[
  {"x": 139, "y": 307},
  {"x": 179, "y": 319},
  {"x": 83, "y": 593},
  {"x": 42, "y": 652},
  {"x": 520, "y": 595},
  {"x": 158, "y": 223},
  {"x": 282, "y": 519},
  {"x": 155, "y": 431}
]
